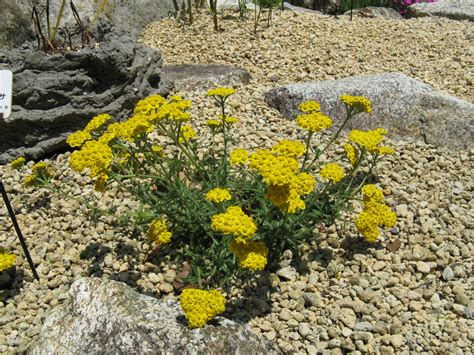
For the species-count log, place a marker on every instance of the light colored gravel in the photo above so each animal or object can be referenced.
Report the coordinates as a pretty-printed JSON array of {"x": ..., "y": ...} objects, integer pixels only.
[{"x": 351, "y": 297}]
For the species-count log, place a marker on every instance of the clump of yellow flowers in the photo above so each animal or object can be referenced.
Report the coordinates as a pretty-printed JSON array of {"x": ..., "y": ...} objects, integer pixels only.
[
  {"x": 200, "y": 306},
  {"x": 7, "y": 260},
  {"x": 229, "y": 210}
]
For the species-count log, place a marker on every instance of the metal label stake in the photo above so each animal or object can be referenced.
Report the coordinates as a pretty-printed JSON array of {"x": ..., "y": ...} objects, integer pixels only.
[{"x": 5, "y": 108}]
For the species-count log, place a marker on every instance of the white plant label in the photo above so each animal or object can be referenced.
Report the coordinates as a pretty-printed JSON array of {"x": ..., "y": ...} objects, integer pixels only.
[{"x": 6, "y": 82}]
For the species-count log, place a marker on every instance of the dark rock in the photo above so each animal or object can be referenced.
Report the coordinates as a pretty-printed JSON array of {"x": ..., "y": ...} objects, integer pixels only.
[
  {"x": 54, "y": 95},
  {"x": 372, "y": 11},
  {"x": 193, "y": 77},
  {"x": 103, "y": 316},
  {"x": 403, "y": 105},
  {"x": 326, "y": 6}
]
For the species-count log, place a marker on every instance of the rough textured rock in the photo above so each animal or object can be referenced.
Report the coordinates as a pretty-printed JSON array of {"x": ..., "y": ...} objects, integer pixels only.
[
  {"x": 372, "y": 11},
  {"x": 319, "y": 5},
  {"x": 109, "y": 317},
  {"x": 454, "y": 9},
  {"x": 129, "y": 16},
  {"x": 195, "y": 77},
  {"x": 15, "y": 24},
  {"x": 406, "y": 106},
  {"x": 54, "y": 95}
]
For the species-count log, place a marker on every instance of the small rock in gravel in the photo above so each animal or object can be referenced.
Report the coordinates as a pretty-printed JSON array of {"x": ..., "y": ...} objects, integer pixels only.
[
  {"x": 348, "y": 317},
  {"x": 423, "y": 267},
  {"x": 448, "y": 274},
  {"x": 304, "y": 329},
  {"x": 287, "y": 273},
  {"x": 397, "y": 340},
  {"x": 363, "y": 326}
]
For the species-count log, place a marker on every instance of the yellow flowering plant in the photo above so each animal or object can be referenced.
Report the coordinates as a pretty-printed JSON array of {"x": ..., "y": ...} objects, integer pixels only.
[{"x": 227, "y": 210}]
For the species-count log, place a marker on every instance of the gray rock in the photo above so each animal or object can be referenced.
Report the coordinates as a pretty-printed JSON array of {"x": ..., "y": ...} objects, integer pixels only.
[
  {"x": 403, "y": 105},
  {"x": 103, "y": 316},
  {"x": 453, "y": 9},
  {"x": 300, "y": 9},
  {"x": 15, "y": 24},
  {"x": 234, "y": 4},
  {"x": 328, "y": 6},
  {"x": 372, "y": 11},
  {"x": 448, "y": 274},
  {"x": 201, "y": 77},
  {"x": 54, "y": 95}
]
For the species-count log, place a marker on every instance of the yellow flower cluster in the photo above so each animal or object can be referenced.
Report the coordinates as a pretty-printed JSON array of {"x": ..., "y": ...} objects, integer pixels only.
[
  {"x": 7, "y": 261},
  {"x": 157, "y": 149},
  {"x": 288, "y": 197},
  {"x": 351, "y": 153},
  {"x": 200, "y": 306},
  {"x": 332, "y": 172},
  {"x": 275, "y": 170},
  {"x": 357, "y": 103},
  {"x": 314, "y": 121},
  {"x": 239, "y": 156},
  {"x": 374, "y": 215},
  {"x": 221, "y": 92},
  {"x": 231, "y": 120},
  {"x": 309, "y": 106},
  {"x": 39, "y": 172},
  {"x": 371, "y": 140},
  {"x": 97, "y": 122},
  {"x": 158, "y": 232},
  {"x": 18, "y": 163},
  {"x": 218, "y": 195},
  {"x": 78, "y": 138},
  {"x": 251, "y": 255},
  {"x": 94, "y": 155},
  {"x": 236, "y": 223},
  {"x": 213, "y": 123},
  {"x": 289, "y": 148},
  {"x": 187, "y": 133},
  {"x": 149, "y": 106}
]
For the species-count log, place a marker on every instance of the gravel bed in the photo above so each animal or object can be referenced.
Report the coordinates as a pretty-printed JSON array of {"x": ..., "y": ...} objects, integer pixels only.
[{"x": 343, "y": 296}]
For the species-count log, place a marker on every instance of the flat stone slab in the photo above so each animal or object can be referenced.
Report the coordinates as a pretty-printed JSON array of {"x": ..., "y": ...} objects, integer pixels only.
[
  {"x": 202, "y": 77},
  {"x": 453, "y": 9},
  {"x": 405, "y": 106},
  {"x": 109, "y": 317}
]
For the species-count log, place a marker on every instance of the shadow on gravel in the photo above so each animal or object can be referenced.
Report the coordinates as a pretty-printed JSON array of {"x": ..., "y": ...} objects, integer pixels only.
[
  {"x": 11, "y": 283},
  {"x": 254, "y": 301}
]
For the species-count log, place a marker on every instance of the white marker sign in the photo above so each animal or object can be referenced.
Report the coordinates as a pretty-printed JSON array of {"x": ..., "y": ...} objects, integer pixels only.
[{"x": 6, "y": 80}]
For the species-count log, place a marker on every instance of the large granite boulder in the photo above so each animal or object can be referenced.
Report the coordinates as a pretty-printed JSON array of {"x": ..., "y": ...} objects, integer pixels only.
[
  {"x": 54, "y": 95},
  {"x": 403, "y": 105},
  {"x": 376, "y": 12},
  {"x": 15, "y": 24},
  {"x": 202, "y": 77},
  {"x": 453, "y": 9},
  {"x": 108, "y": 317}
]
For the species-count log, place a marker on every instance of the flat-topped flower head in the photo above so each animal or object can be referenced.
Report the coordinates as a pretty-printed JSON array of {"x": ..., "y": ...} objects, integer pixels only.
[
  {"x": 97, "y": 122},
  {"x": 94, "y": 155},
  {"x": 314, "y": 122},
  {"x": 357, "y": 103},
  {"x": 289, "y": 148},
  {"x": 6, "y": 261},
  {"x": 332, "y": 172},
  {"x": 213, "y": 124},
  {"x": 251, "y": 255},
  {"x": 187, "y": 133},
  {"x": 238, "y": 157},
  {"x": 77, "y": 139},
  {"x": 370, "y": 140},
  {"x": 309, "y": 106},
  {"x": 218, "y": 195},
  {"x": 18, "y": 163},
  {"x": 371, "y": 193},
  {"x": 158, "y": 232},
  {"x": 236, "y": 223},
  {"x": 200, "y": 306},
  {"x": 222, "y": 92}
]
